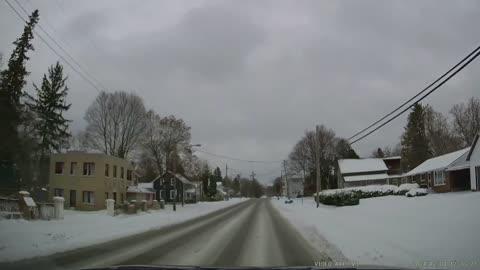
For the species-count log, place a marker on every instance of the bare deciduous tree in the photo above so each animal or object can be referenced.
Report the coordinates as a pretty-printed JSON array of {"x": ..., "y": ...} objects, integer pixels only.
[
  {"x": 153, "y": 140},
  {"x": 396, "y": 150},
  {"x": 441, "y": 137},
  {"x": 466, "y": 119},
  {"x": 175, "y": 136},
  {"x": 116, "y": 123},
  {"x": 302, "y": 158}
]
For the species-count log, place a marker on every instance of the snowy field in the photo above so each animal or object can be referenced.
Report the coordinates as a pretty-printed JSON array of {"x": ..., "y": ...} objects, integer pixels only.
[
  {"x": 24, "y": 239},
  {"x": 442, "y": 230}
]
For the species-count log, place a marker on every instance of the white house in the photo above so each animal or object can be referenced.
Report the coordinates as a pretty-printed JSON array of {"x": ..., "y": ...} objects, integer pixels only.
[{"x": 361, "y": 172}]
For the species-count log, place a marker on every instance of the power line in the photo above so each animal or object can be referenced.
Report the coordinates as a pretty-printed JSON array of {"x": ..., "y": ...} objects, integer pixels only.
[
  {"x": 238, "y": 159},
  {"x": 423, "y": 97},
  {"x": 418, "y": 94},
  {"x": 63, "y": 50},
  {"x": 55, "y": 51}
]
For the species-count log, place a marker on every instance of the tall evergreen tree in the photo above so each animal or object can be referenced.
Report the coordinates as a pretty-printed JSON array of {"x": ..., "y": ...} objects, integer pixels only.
[
  {"x": 415, "y": 149},
  {"x": 12, "y": 82},
  {"x": 49, "y": 106},
  {"x": 205, "y": 177},
  {"x": 217, "y": 173}
]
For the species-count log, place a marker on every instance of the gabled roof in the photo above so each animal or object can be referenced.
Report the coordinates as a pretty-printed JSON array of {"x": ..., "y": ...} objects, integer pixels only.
[
  {"x": 475, "y": 140},
  {"x": 361, "y": 165},
  {"x": 177, "y": 175},
  {"x": 438, "y": 163},
  {"x": 139, "y": 189}
]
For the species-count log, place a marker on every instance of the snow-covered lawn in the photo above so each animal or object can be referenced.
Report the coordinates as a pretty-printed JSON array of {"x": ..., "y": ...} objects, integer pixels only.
[
  {"x": 21, "y": 239},
  {"x": 443, "y": 229}
]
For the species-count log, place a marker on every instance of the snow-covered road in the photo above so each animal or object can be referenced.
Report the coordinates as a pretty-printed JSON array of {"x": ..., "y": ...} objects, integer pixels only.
[{"x": 250, "y": 233}]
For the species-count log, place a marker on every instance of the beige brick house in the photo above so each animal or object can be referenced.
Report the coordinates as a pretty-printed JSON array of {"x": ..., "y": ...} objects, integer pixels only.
[{"x": 86, "y": 180}]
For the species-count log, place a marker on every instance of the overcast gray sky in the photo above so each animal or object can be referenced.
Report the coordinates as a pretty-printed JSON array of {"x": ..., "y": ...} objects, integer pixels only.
[{"x": 250, "y": 76}]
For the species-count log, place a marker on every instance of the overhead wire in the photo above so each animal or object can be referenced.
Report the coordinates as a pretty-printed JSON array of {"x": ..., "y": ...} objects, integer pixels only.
[
  {"x": 86, "y": 79},
  {"x": 415, "y": 96},
  {"x": 422, "y": 98},
  {"x": 79, "y": 66}
]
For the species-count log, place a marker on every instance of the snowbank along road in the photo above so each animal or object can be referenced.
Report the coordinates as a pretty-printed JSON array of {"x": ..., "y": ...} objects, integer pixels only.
[{"x": 251, "y": 233}]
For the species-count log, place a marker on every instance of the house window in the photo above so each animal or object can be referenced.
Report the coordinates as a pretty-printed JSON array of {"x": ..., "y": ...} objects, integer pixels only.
[
  {"x": 404, "y": 180},
  {"x": 129, "y": 174},
  {"x": 58, "y": 192},
  {"x": 121, "y": 172},
  {"x": 59, "y": 167},
  {"x": 88, "y": 168},
  {"x": 115, "y": 196},
  {"x": 73, "y": 168},
  {"x": 88, "y": 197},
  {"x": 106, "y": 195},
  {"x": 439, "y": 178},
  {"x": 107, "y": 170},
  {"x": 172, "y": 194},
  {"x": 114, "y": 171},
  {"x": 172, "y": 182}
]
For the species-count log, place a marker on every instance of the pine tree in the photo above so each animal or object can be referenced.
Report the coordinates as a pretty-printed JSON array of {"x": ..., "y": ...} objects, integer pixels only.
[
  {"x": 414, "y": 142},
  {"x": 205, "y": 176},
  {"x": 12, "y": 82},
  {"x": 49, "y": 106},
  {"x": 217, "y": 174}
]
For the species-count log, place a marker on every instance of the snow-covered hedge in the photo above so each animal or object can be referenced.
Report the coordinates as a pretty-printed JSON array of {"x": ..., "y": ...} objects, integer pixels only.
[
  {"x": 416, "y": 192},
  {"x": 350, "y": 196},
  {"x": 339, "y": 199}
]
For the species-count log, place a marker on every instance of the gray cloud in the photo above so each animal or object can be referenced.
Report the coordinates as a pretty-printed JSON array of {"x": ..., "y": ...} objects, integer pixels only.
[{"x": 251, "y": 76}]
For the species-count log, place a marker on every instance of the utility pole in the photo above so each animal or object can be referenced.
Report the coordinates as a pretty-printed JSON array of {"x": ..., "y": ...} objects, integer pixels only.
[
  {"x": 281, "y": 178},
  {"x": 317, "y": 162},
  {"x": 226, "y": 170},
  {"x": 174, "y": 168},
  {"x": 286, "y": 179}
]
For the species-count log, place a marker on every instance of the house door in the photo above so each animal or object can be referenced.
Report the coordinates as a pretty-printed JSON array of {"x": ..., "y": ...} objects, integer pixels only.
[{"x": 73, "y": 198}]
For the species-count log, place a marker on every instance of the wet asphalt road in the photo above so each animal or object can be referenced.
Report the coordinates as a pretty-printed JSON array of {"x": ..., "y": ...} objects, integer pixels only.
[{"x": 251, "y": 233}]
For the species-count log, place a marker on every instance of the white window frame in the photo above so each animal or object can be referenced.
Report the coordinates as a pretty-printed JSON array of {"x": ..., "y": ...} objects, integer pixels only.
[
  {"x": 172, "y": 194},
  {"x": 73, "y": 168},
  {"x": 90, "y": 197},
  {"x": 90, "y": 171},
  {"x": 172, "y": 182},
  {"x": 63, "y": 167},
  {"x": 439, "y": 181}
]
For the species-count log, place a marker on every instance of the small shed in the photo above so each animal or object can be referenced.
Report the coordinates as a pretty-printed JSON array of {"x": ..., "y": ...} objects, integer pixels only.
[{"x": 140, "y": 192}]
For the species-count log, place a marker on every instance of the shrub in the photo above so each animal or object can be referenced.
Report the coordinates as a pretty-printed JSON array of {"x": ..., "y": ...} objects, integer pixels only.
[{"x": 339, "y": 199}]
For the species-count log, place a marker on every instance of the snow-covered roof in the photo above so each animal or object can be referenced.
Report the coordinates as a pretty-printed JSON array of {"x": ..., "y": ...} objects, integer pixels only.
[
  {"x": 355, "y": 178},
  {"x": 139, "y": 189},
  {"x": 361, "y": 165},
  {"x": 146, "y": 185},
  {"x": 438, "y": 163},
  {"x": 391, "y": 158}
]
